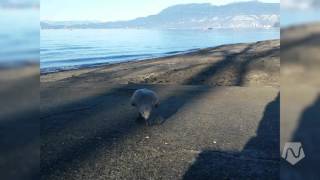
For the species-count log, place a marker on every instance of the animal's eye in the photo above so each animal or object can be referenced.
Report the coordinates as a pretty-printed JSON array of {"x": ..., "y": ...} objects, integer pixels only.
[{"x": 133, "y": 104}]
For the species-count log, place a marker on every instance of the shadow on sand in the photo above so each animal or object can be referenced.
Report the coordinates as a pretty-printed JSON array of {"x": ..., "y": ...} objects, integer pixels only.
[
  {"x": 19, "y": 129},
  {"x": 259, "y": 159},
  {"x": 308, "y": 133}
]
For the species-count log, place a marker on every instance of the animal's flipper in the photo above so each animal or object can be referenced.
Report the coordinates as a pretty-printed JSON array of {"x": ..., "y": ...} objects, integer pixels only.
[
  {"x": 157, "y": 102},
  {"x": 148, "y": 123},
  {"x": 140, "y": 119}
]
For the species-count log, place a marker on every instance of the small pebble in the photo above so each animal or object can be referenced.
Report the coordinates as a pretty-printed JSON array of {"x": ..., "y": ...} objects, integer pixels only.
[
  {"x": 166, "y": 143},
  {"x": 214, "y": 142},
  {"x": 147, "y": 137}
]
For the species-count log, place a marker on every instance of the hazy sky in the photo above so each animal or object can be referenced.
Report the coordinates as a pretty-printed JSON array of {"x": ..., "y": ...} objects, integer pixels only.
[{"x": 112, "y": 10}]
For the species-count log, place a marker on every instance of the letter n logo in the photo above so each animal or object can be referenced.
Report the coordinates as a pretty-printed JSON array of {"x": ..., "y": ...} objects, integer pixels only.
[{"x": 293, "y": 152}]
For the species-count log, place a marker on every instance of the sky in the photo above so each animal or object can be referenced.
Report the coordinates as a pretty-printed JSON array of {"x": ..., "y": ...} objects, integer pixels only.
[{"x": 112, "y": 10}]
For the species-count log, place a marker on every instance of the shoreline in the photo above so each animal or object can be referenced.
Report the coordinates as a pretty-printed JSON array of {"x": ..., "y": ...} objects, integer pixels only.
[
  {"x": 169, "y": 29},
  {"x": 95, "y": 65},
  {"x": 45, "y": 71},
  {"x": 241, "y": 64}
]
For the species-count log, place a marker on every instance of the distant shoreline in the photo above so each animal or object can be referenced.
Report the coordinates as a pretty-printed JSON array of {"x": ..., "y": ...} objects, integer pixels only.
[{"x": 205, "y": 29}]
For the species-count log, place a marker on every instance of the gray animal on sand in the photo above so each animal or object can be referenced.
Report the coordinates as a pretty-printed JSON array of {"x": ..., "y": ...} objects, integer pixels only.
[{"x": 145, "y": 100}]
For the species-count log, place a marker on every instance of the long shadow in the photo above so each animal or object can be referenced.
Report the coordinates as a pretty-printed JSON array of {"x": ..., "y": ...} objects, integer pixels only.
[
  {"x": 19, "y": 129},
  {"x": 244, "y": 69},
  {"x": 308, "y": 133},
  {"x": 311, "y": 40},
  {"x": 240, "y": 61},
  {"x": 259, "y": 159},
  {"x": 20, "y": 143},
  {"x": 216, "y": 68}
]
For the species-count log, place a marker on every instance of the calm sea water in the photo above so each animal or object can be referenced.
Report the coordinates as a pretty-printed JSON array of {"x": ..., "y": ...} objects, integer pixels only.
[
  {"x": 19, "y": 33},
  {"x": 66, "y": 49}
]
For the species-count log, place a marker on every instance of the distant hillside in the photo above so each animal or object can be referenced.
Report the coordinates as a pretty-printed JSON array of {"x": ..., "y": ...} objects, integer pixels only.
[
  {"x": 316, "y": 3},
  {"x": 299, "y": 4},
  {"x": 19, "y": 4},
  {"x": 251, "y": 14}
]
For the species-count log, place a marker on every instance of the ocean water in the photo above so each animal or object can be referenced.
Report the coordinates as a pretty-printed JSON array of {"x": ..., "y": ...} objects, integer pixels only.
[
  {"x": 20, "y": 36},
  {"x": 290, "y": 17},
  {"x": 69, "y": 49}
]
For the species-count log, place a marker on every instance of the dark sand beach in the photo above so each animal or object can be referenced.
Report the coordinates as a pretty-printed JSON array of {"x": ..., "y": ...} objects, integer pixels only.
[
  {"x": 300, "y": 97},
  {"x": 19, "y": 122},
  {"x": 218, "y": 117}
]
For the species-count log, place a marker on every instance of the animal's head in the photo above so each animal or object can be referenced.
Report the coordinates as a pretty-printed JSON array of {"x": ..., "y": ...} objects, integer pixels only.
[
  {"x": 144, "y": 100},
  {"x": 145, "y": 111}
]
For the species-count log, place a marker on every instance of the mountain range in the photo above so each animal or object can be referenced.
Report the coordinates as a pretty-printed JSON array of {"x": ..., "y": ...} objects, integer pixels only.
[
  {"x": 252, "y": 14},
  {"x": 300, "y": 5},
  {"x": 19, "y": 4}
]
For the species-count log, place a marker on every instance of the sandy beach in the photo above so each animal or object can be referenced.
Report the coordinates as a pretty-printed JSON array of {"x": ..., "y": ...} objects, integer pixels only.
[{"x": 218, "y": 117}]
